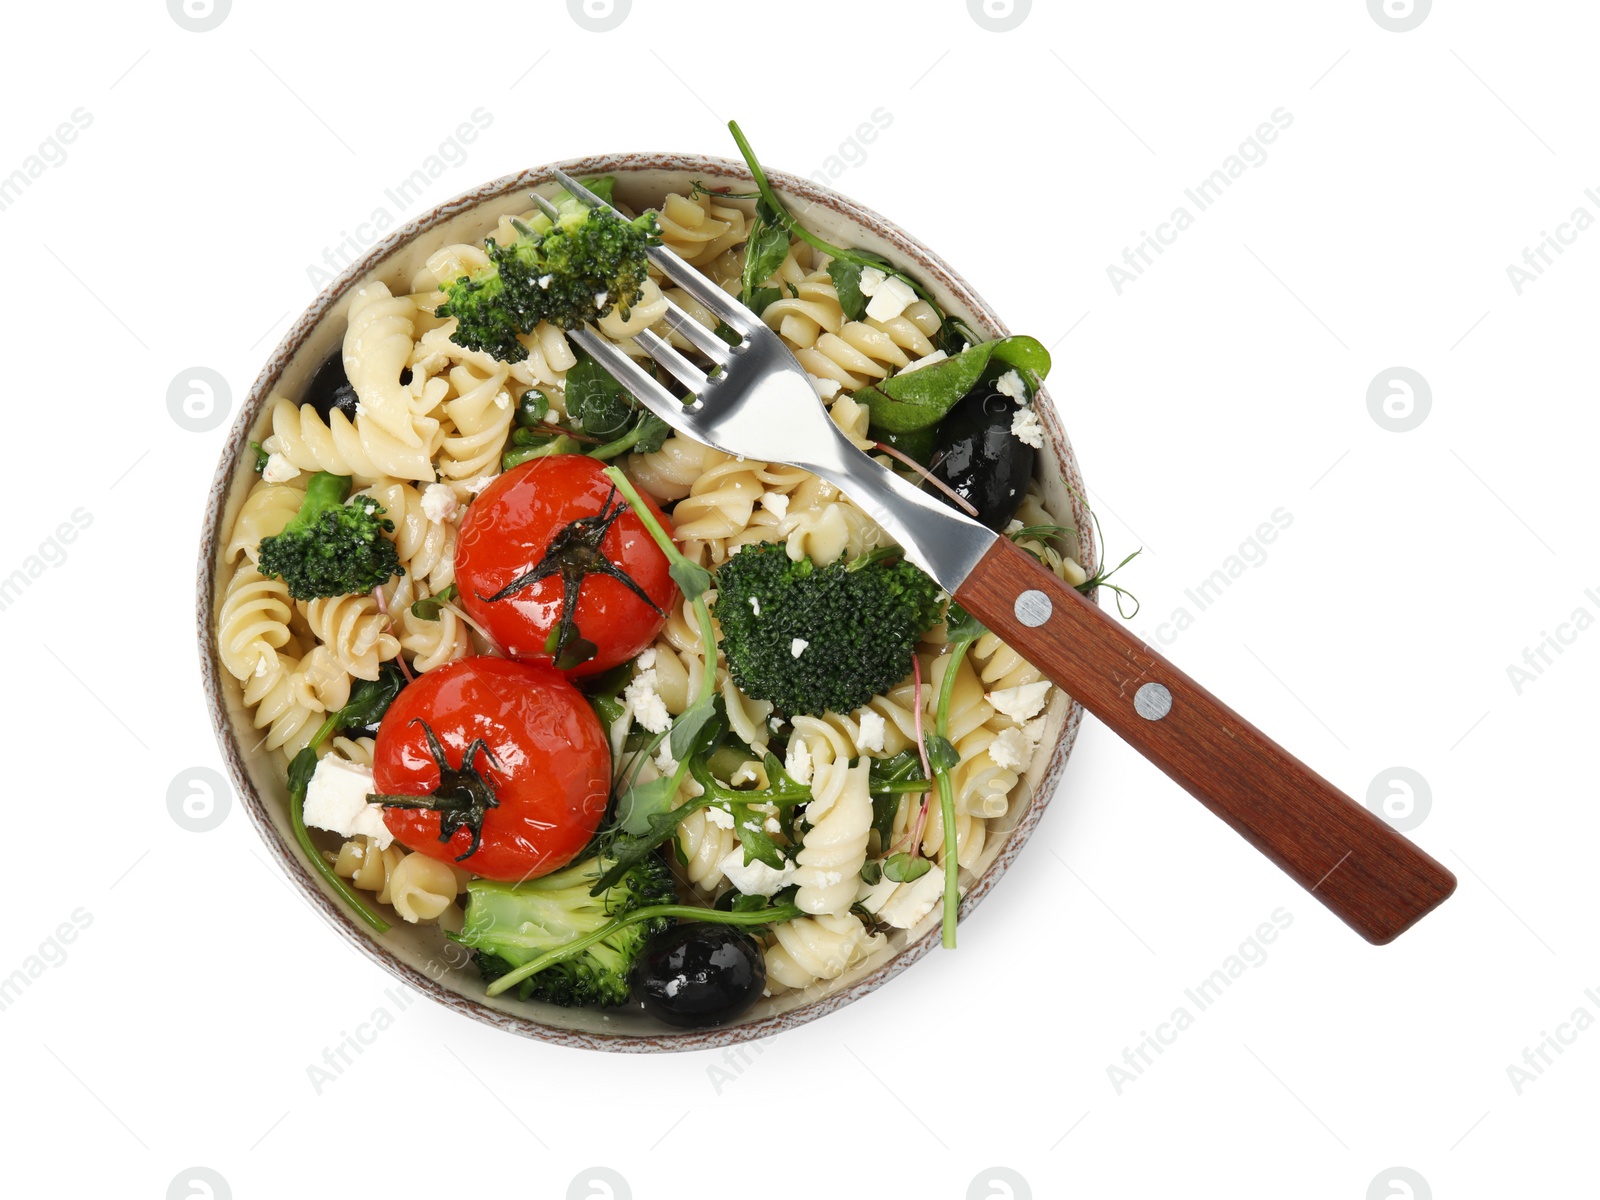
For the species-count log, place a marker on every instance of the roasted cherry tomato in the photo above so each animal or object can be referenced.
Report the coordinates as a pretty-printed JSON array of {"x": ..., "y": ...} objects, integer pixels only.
[
  {"x": 557, "y": 569},
  {"x": 498, "y": 766}
]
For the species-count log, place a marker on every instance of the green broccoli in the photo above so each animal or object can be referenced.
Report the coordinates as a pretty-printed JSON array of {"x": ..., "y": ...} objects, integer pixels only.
[
  {"x": 510, "y": 924},
  {"x": 331, "y": 548},
  {"x": 569, "y": 271},
  {"x": 821, "y": 639}
]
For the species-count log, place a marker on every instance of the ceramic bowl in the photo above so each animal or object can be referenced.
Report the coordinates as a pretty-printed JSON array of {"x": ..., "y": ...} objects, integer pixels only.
[{"x": 421, "y": 956}]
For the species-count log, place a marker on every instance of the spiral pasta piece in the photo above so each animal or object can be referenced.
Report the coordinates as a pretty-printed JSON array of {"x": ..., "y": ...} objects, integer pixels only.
[
  {"x": 366, "y": 452},
  {"x": 427, "y": 548},
  {"x": 266, "y": 510},
  {"x": 354, "y": 630},
  {"x": 699, "y": 228},
  {"x": 811, "y": 949},
  {"x": 835, "y": 847},
  {"x": 252, "y": 622}
]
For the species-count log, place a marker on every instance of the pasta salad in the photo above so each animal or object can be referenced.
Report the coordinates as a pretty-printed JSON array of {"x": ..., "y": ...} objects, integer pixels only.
[{"x": 635, "y": 721}]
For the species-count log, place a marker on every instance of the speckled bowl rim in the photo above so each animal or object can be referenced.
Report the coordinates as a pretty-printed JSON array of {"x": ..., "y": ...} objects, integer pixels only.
[{"x": 910, "y": 251}]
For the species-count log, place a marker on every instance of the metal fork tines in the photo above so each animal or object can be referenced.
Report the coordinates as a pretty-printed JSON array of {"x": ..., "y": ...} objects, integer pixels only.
[{"x": 757, "y": 401}]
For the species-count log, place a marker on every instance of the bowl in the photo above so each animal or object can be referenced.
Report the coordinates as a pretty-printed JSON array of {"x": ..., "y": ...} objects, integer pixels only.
[{"x": 421, "y": 956}]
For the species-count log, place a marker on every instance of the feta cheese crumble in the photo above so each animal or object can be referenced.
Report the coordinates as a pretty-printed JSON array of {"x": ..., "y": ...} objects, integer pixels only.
[
  {"x": 439, "y": 502},
  {"x": 544, "y": 281},
  {"x": 755, "y": 605},
  {"x": 870, "y": 734},
  {"x": 927, "y": 360},
  {"x": 474, "y": 486},
  {"x": 600, "y": 299},
  {"x": 278, "y": 469},
  {"x": 776, "y": 503},
  {"x": 890, "y": 298},
  {"x": 798, "y": 761},
  {"x": 797, "y": 647},
  {"x": 826, "y": 388},
  {"x": 1011, "y": 750},
  {"x": 1010, "y": 384},
  {"x": 1025, "y": 427},
  {"x": 720, "y": 817},
  {"x": 871, "y": 277},
  {"x": 1020, "y": 703},
  {"x": 336, "y": 799},
  {"x": 756, "y": 878},
  {"x": 649, "y": 709}
]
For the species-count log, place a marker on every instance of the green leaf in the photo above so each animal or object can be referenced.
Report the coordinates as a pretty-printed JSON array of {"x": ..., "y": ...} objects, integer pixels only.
[
  {"x": 758, "y": 845},
  {"x": 871, "y": 872},
  {"x": 532, "y": 408},
  {"x": 962, "y": 626},
  {"x": 429, "y": 607},
  {"x": 761, "y": 297},
  {"x": 902, "y": 868},
  {"x": 743, "y": 904},
  {"x": 905, "y": 403},
  {"x": 261, "y": 457},
  {"x": 686, "y": 730},
  {"x": 891, "y": 778},
  {"x": 601, "y": 185},
  {"x": 692, "y": 579},
  {"x": 651, "y": 433},
  {"x": 767, "y": 247},
  {"x": 846, "y": 278},
  {"x": 595, "y": 400},
  {"x": 641, "y": 804},
  {"x": 942, "y": 754},
  {"x": 371, "y": 698}
]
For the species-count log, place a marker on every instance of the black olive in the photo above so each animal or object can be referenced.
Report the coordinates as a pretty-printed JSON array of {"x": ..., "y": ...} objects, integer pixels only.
[
  {"x": 981, "y": 459},
  {"x": 330, "y": 389},
  {"x": 699, "y": 975}
]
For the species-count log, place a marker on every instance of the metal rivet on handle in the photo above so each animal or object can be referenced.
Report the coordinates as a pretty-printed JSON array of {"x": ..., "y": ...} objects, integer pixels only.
[
  {"x": 1152, "y": 701},
  {"x": 1033, "y": 608}
]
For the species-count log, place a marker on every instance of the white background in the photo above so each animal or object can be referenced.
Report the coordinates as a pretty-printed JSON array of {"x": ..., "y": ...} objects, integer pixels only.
[{"x": 1229, "y": 381}]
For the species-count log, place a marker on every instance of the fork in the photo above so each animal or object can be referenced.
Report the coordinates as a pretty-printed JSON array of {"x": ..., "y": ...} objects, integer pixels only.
[{"x": 758, "y": 402}]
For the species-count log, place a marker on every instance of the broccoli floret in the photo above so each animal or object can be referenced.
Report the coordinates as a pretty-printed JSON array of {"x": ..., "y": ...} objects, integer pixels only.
[
  {"x": 821, "y": 639},
  {"x": 573, "y": 270},
  {"x": 330, "y": 548},
  {"x": 509, "y": 924}
]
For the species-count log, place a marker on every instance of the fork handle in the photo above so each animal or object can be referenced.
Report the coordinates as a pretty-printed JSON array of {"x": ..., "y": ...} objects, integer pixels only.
[{"x": 1369, "y": 876}]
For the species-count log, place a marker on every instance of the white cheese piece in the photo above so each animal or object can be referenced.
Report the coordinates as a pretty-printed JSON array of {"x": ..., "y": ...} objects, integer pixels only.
[
  {"x": 600, "y": 299},
  {"x": 1020, "y": 703},
  {"x": 927, "y": 360},
  {"x": 647, "y": 658},
  {"x": 755, "y": 605},
  {"x": 825, "y": 388},
  {"x": 545, "y": 280},
  {"x": 871, "y": 277},
  {"x": 745, "y": 774},
  {"x": 1011, "y": 750},
  {"x": 913, "y": 901},
  {"x": 336, "y": 799},
  {"x": 720, "y": 817},
  {"x": 664, "y": 761},
  {"x": 797, "y": 646},
  {"x": 279, "y": 469},
  {"x": 798, "y": 761},
  {"x": 1025, "y": 427},
  {"x": 776, "y": 503},
  {"x": 1034, "y": 730},
  {"x": 648, "y": 707},
  {"x": 771, "y": 825},
  {"x": 439, "y": 502},
  {"x": 870, "y": 734},
  {"x": 890, "y": 298},
  {"x": 756, "y": 879},
  {"x": 1010, "y": 384},
  {"x": 477, "y": 485}
]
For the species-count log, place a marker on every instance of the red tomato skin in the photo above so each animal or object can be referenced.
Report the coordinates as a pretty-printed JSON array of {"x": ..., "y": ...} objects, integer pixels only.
[
  {"x": 505, "y": 534},
  {"x": 554, "y": 777}
]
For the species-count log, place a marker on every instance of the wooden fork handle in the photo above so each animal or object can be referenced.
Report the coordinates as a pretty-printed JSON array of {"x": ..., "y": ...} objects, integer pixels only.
[{"x": 1371, "y": 877}]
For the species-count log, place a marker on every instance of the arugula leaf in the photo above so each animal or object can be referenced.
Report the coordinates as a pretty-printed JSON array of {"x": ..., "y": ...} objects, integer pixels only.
[
  {"x": 846, "y": 278},
  {"x": 369, "y": 700},
  {"x": 905, "y": 403},
  {"x": 692, "y": 579},
  {"x": 890, "y": 778},
  {"x": 767, "y": 247},
  {"x": 758, "y": 845},
  {"x": 942, "y": 754},
  {"x": 902, "y": 868}
]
